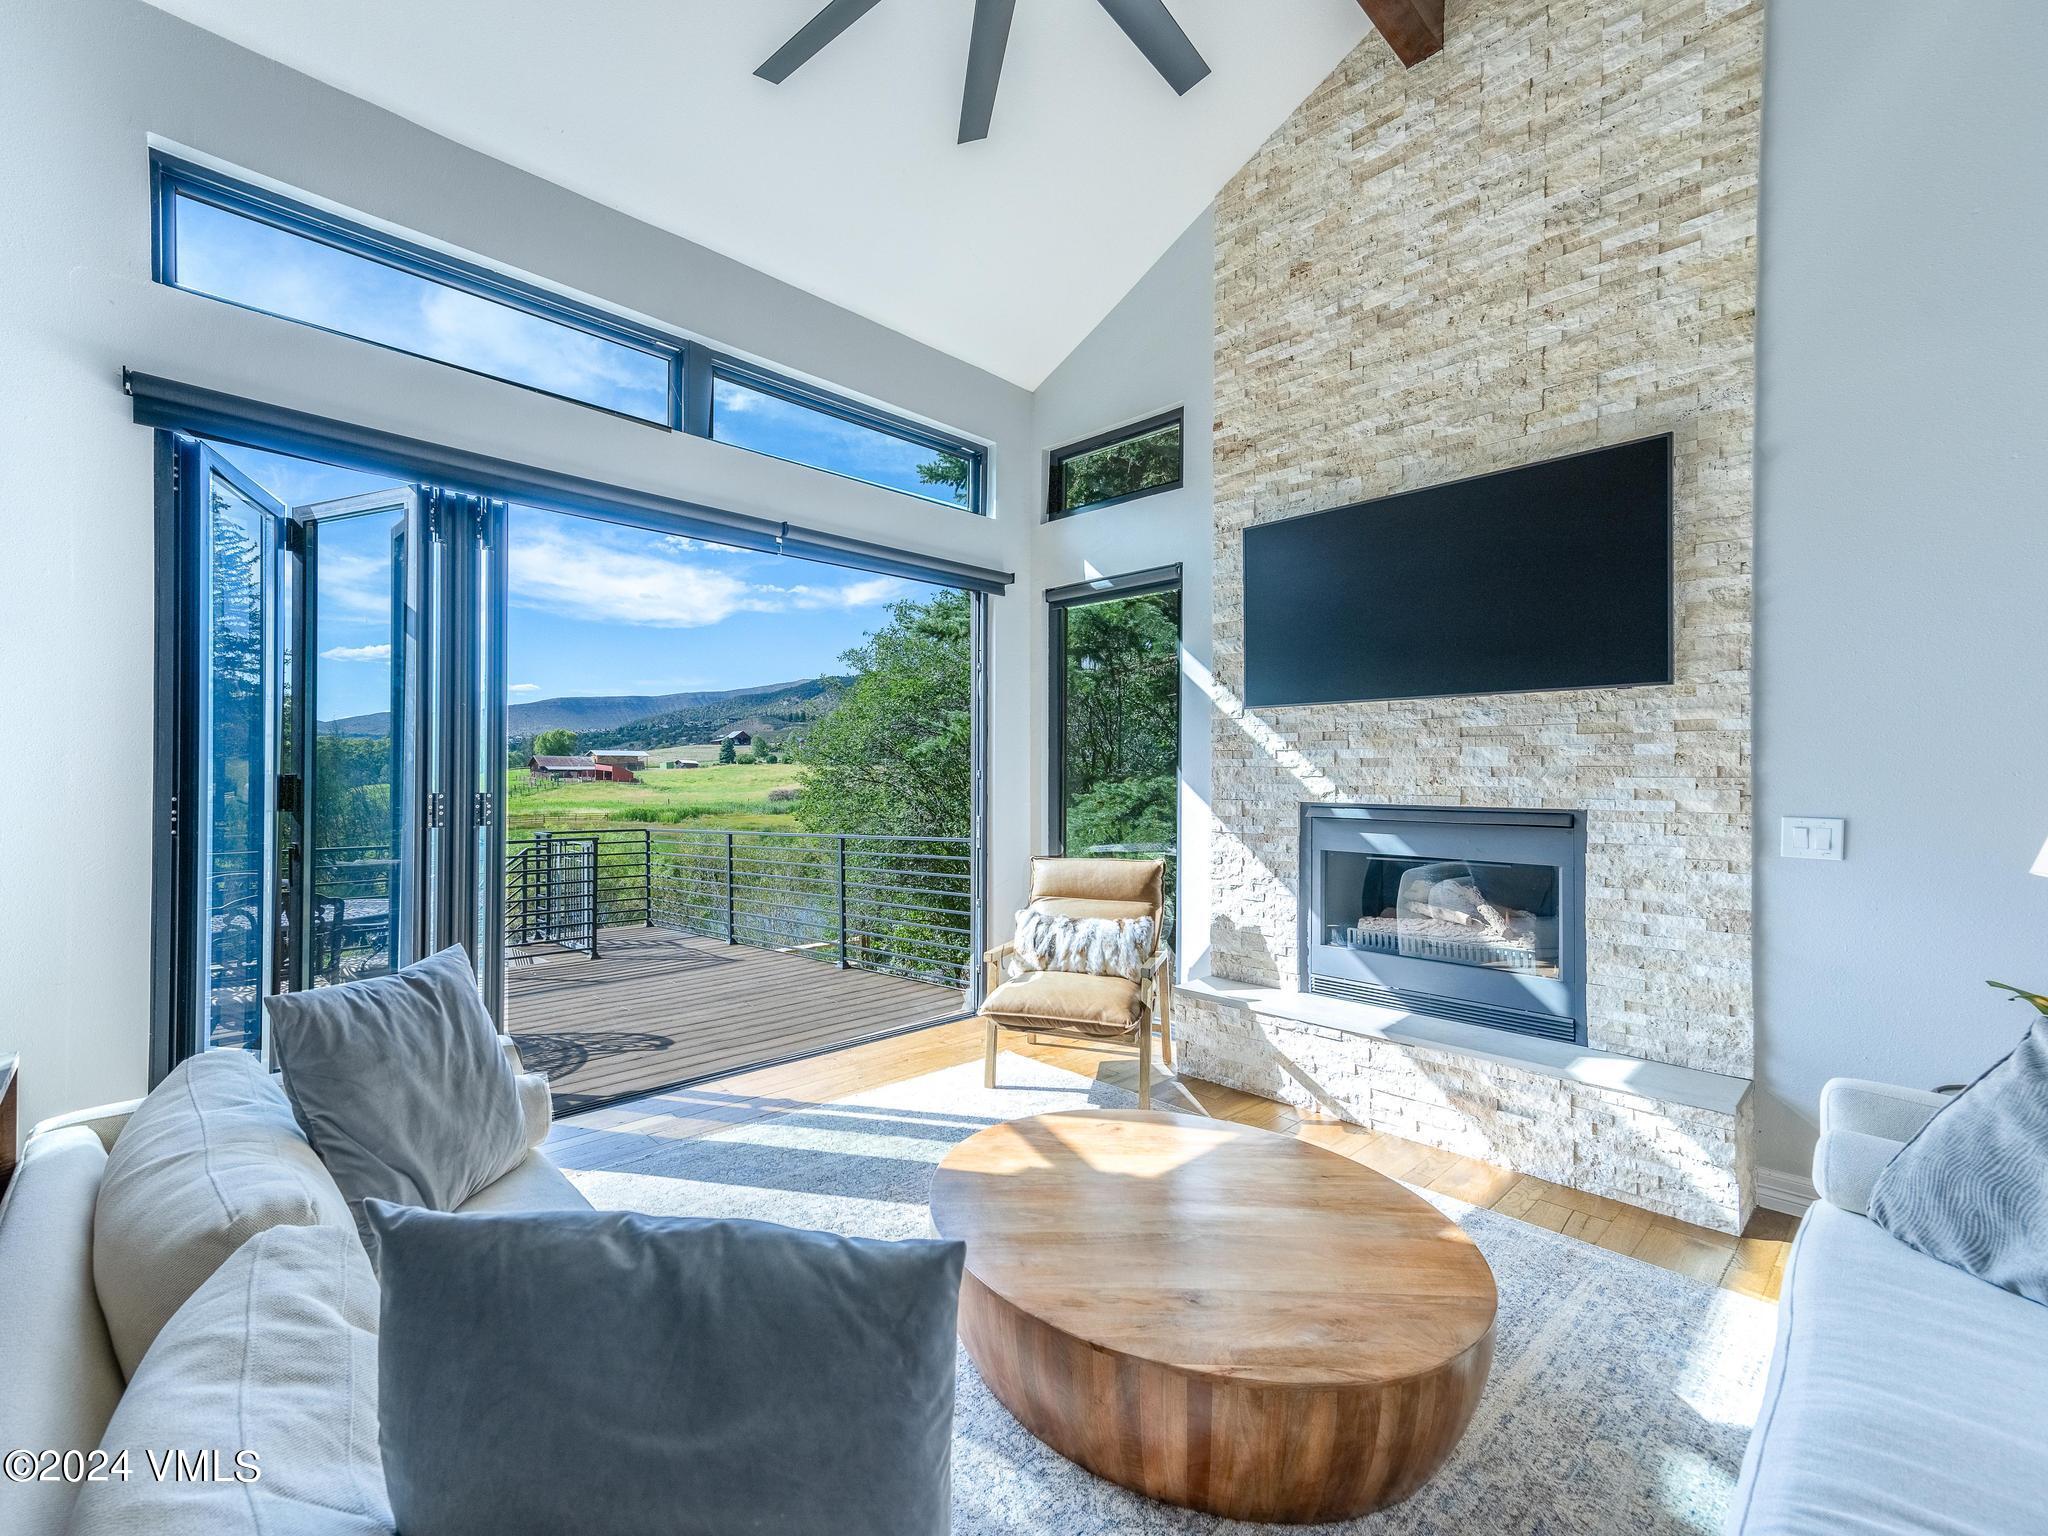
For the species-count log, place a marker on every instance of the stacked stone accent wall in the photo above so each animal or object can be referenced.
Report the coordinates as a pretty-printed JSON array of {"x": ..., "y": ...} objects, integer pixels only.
[{"x": 1541, "y": 241}]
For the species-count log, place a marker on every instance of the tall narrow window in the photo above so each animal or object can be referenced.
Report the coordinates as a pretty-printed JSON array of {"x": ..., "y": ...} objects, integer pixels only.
[
  {"x": 1118, "y": 466},
  {"x": 1116, "y": 720}
]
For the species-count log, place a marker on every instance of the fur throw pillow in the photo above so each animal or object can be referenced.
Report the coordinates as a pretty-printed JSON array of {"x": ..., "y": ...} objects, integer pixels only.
[{"x": 1093, "y": 946}]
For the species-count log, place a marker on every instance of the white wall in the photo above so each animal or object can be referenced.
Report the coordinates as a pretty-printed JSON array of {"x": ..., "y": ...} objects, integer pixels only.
[
  {"x": 1151, "y": 353},
  {"x": 1902, "y": 542},
  {"x": 81, "y": 89}
]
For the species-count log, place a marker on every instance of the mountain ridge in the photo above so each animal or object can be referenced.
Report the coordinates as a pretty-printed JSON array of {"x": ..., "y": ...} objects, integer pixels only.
[{"x": 600, "y": 716}]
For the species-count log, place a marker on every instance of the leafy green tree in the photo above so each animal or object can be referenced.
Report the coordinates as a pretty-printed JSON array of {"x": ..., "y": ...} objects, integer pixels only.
[
  {"x": 558, "y": 742},
  {"x": 948, "y": 470},
  {"x": 1122, "y": 726},
  {"x": 235, "y": 676},
  {"x": 1123, "y": 813},
  {"x": 897, "y": 754},
  {"x": 728, "y": 751},
  {"x": 1135, "y": 464}
]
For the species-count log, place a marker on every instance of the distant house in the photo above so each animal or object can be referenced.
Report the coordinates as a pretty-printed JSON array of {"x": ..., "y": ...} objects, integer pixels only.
[
  {"x": 631, "y": 761},
  {"x": 739, "y": 738},
  {"x": 682, "y": 762},
  {"x": 585, "y": 767}
]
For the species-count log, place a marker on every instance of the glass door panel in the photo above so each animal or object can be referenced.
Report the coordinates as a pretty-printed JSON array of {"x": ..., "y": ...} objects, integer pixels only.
[
  {"x": 359, "y": 890},
  {"x": 240, "y": 694}
]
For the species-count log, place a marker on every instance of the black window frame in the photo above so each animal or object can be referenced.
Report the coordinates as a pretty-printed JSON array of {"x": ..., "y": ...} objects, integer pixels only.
[
  {"x": 1057, "y": 460},
  {"x": 1059, "y": 602},
  {"x": 766, "y": 382},
  {"x": 693, "y": 367}
]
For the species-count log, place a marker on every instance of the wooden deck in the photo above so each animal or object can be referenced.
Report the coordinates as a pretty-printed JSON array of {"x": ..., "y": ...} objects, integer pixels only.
[{"x": 658, "y": 1007}]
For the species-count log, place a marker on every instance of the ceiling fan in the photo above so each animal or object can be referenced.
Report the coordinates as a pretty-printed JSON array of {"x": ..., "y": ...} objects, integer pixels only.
[{"x": 1146, "y": 23}]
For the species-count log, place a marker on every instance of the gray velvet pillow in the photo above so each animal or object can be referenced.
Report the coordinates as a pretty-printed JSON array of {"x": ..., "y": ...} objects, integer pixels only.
[
  {"x": 543, "y": 1372},
  {"x": 401, "y": 1086},
  {"x": 1971, "y": 1189}
]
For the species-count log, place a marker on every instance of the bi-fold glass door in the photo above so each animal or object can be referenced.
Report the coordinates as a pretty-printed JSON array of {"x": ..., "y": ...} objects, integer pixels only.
[
  {"x": 325, "y": 816},
  {"x": 766, "y": 868}
]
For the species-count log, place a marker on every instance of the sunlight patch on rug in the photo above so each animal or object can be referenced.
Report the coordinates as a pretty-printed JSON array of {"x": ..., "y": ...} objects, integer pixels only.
[{"x": 1620, "y": 1399}]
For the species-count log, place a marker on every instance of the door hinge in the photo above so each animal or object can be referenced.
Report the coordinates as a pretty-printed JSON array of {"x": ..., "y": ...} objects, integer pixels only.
[
  {"x": 174, "y": 816},
  {"x": 482, "y": 808},
  {"x": 294, "y": 537},
  {"x": 437, "y": 809},
  {"x": 288, "y": 794}
]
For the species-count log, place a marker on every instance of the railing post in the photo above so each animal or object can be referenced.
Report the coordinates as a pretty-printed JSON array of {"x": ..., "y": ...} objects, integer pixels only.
[
  {"x": 542, "y": 842},
  {"x": 842, "y": 901},
  {"x": 647, "y": 875},
  {"x": 731, "y": 915}
]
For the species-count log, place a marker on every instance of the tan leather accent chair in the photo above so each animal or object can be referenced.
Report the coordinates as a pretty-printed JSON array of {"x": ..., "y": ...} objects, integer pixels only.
[{"x": 1087, "y": 1007}]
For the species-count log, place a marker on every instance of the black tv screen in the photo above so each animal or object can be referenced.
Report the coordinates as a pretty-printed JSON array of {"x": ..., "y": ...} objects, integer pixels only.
[{"x": 1557, "y": 575}]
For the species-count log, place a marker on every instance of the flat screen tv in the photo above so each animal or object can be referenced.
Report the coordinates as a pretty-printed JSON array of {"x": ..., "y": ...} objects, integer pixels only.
[{"x": 1556, "y": 575}]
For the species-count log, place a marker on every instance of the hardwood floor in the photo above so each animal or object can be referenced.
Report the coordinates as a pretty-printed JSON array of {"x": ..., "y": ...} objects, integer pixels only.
[{"x": 1752, "y": 1264}]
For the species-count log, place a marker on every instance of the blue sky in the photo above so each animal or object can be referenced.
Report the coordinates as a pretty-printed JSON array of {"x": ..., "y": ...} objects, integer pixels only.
[
  {"x": 244, "y": 261},
  {"x": 595, "y": 609}
]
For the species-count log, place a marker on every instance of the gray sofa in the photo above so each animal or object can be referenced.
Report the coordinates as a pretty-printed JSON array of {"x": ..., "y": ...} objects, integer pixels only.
[
  {"x": 60, "y": 1381},
  {"x": 1904, "y": 1396}
]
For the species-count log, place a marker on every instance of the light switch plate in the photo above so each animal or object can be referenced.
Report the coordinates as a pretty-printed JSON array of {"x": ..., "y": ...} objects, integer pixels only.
[{"x": 1811, "y": 837}]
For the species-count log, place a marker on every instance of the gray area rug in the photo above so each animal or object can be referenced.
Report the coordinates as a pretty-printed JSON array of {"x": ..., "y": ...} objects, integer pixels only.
[{"x": 1621, "y": 1394}]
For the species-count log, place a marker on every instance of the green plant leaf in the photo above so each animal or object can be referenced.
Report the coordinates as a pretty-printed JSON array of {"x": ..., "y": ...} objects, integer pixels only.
[{"x": 2035, "y": 998}]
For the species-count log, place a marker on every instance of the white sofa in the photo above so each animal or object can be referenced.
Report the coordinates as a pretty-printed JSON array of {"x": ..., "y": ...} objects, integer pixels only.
[
  {"x": 1904, "y": 1395},
  {"x": 59, "y": 1379}
]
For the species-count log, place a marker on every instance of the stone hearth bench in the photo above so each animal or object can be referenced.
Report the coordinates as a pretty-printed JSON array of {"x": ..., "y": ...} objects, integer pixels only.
[{"x": 1670, "y": 1139}]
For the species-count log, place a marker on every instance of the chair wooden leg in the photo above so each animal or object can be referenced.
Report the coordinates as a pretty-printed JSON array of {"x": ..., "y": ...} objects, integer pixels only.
[
  {"x": 1166, "y": 1021},
  {"x": 988, "y": 1057},
  {"x": 1145, "y": 1066}
]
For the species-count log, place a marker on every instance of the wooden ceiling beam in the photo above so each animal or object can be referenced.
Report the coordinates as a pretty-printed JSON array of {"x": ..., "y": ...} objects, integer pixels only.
[{"x": 1414, "y": 29}]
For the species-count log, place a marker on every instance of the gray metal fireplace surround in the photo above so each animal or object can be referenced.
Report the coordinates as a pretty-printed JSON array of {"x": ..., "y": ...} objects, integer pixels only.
[{"x": 1450, "y": 911}]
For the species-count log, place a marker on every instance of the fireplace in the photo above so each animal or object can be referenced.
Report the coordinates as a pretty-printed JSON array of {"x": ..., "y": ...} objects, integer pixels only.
[{"x": 1454, "y": 912}]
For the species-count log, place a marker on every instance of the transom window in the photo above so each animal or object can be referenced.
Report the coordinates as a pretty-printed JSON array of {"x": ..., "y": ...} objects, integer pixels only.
[
  {"x": 256, "y": 250},
  {"x": 1118, "y": 466},
  {"x": 260, "y": 250},
  {"x": 751, "y": 410}
]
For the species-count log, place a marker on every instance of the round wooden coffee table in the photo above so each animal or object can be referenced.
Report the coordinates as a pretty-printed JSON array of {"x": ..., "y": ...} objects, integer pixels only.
[{"x": 1213, "y": 1315}]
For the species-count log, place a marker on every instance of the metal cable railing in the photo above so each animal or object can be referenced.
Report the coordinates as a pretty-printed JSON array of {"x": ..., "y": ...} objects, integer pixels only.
[{"x": 878, "y": 902}]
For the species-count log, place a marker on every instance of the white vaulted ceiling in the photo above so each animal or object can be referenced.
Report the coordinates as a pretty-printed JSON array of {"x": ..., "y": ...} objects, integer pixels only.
[{"x": 845, "y": 180}]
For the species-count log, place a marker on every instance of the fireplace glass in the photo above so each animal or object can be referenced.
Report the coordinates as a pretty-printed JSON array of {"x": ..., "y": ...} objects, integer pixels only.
[{"x": 1498, "y": 916}]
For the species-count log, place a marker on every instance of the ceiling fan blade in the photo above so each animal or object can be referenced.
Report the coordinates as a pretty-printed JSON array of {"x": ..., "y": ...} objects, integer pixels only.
[
  {"x": 984, "y": 66},
  {"x": 1151, "y": 26},
  {"x": 814, "y": 34}
]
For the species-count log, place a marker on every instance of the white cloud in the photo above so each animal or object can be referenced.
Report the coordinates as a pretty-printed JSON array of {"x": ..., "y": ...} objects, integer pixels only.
[
  {"x": 524, "y": 688},
  {"x": 587, "y": 573},
  {"x": 865, "y": 593},
  {"x": 356, "y": 653},
  {"x": 353, "y": 585}
]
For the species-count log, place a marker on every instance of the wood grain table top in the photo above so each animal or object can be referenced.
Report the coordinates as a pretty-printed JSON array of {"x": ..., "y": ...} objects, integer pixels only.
[{"x": 1215, "y": 1248}]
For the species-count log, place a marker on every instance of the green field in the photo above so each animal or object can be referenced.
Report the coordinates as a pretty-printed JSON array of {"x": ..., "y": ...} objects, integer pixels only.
[{"x": 722, "y": 795}]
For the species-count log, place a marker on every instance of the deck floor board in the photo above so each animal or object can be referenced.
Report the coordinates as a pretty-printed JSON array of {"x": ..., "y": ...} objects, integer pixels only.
[{"x": 658, "y": 1007}]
